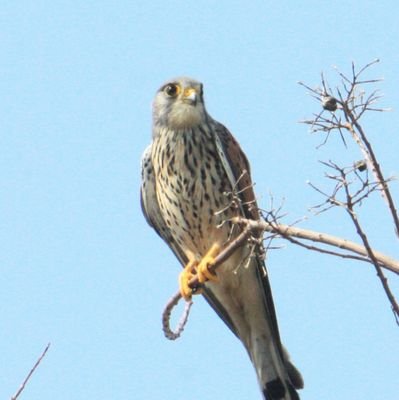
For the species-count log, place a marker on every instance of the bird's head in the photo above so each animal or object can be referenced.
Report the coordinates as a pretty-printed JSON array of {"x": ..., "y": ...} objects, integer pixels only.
[{"x": 179, "y": 104}]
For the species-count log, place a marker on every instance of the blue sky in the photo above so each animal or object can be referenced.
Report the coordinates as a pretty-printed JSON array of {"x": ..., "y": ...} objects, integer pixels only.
[{"x": 79, "y": 266}]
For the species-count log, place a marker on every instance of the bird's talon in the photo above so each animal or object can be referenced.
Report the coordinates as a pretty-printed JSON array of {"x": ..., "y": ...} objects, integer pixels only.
[
  {"x": 203, "y": 272},
  {"x": 184, "y": 279}
]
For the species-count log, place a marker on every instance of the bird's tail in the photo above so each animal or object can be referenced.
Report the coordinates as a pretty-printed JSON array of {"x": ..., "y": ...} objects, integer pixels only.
[{"x": 278, "y": 377}]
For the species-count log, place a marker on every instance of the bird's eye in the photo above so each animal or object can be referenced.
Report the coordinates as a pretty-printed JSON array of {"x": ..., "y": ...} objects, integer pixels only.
[{"x": 172, "y": 90}]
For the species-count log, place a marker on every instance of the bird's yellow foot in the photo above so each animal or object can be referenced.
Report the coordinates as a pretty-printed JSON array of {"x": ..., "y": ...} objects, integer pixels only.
[
  {"x": 185, "y": 277},
  {"x": 203, "y": 268}
]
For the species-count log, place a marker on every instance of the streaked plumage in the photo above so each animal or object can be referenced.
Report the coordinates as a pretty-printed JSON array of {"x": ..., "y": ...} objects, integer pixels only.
[{"x": 194, "y": 178}]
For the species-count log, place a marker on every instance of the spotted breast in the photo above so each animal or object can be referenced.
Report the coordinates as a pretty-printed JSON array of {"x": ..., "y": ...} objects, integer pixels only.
[{"x": 193, "y": 188}]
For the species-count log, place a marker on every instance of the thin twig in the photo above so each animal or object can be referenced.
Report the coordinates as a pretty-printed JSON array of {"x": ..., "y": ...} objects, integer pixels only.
[
  {"x": 22, "y": 387},
  {"x": 286, "y": 231},
  {"x": 369, "y": 155},
  {"x": 353, "y": 103},
  {"x": 344, "y": 111},
  {"x": 370, "y": 252}
]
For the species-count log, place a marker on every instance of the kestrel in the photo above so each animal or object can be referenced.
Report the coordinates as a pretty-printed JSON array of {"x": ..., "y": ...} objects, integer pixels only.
[{"x": 195, "y": 178}]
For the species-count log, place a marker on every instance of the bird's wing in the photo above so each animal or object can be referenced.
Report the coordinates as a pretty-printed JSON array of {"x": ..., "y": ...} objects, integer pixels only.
[
  {"x": 152, "y": 213},
  {"x": 150, "y": 206},
  {"x": 148, "y": 196},
  {"x": 237, "y": 168}
]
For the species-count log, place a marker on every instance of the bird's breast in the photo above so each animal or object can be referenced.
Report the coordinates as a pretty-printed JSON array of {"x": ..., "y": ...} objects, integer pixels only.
[{"x": 192, "y": 188}]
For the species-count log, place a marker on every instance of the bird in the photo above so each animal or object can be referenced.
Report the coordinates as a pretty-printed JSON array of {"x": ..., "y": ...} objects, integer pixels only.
[{"x": 195, "y": 179}]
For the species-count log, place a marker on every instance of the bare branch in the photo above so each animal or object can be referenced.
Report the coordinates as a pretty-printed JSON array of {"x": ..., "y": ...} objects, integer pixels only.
[
  {"x": 352, "y": 104},
  {"x": 286, "y": 231},
  {"x": 370, "y": 252},
  {"x": 344, "y": 110},
  {"x": 368, "y": 153},
  {"x": 252, "y": 228},
  {"x": 22, "y": 387}
]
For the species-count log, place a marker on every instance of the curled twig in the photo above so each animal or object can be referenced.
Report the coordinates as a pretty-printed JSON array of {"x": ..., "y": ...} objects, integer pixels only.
[{"x": 169, "y": 333}]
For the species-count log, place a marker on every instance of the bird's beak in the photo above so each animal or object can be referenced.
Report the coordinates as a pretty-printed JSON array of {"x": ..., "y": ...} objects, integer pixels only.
[{"x": 190, "y": 96}]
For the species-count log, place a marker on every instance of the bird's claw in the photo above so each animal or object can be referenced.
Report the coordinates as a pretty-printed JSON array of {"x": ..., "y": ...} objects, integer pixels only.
[
  {"x": 203, "y": 272},
  {"x": 185, "y": 277}
]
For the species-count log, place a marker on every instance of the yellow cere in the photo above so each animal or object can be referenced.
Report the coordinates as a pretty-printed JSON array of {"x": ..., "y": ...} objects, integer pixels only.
[{"x": 189, "y": 91}]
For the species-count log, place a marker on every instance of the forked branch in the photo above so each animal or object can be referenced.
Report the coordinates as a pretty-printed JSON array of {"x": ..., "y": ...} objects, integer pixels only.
[
  {"x": 252, "y": 229},
  {"x": 342, "y": 110}
]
